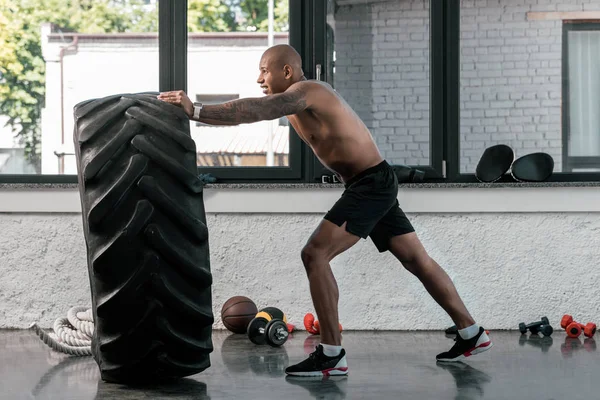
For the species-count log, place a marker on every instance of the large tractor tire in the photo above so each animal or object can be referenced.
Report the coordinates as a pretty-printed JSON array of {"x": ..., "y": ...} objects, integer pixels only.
[{"x": 146, "y": 238}]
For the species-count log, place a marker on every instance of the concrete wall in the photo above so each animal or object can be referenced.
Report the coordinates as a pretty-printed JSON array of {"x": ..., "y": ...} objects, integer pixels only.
[
  {"x": 508, "y": 268},
  {"x": 511, "y": 74}
]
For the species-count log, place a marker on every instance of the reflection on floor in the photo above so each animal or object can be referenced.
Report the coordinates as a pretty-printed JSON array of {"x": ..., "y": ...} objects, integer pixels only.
[{"x": 383, "y": 365}]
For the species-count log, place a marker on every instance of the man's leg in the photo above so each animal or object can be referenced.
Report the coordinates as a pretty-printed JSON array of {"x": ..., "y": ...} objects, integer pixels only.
[
  {"x": 472, "y": 338},
  {"x": 367, "y": 197},
  {"x": 409, "y": 250},
  {"x": 395, "y": 233},
  {"x": 325, "y": 243}
]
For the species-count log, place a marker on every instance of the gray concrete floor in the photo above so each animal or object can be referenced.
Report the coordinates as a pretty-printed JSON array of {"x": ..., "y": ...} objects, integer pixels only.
[{"x": 383, "y": 365}]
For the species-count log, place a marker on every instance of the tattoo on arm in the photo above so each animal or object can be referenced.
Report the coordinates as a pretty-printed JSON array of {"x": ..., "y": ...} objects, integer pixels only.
[{"x": 250, "y": 110}]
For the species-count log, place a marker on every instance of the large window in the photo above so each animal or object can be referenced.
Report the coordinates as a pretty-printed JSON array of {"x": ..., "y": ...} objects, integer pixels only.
[
  {"x": 581, "y": 90},
  {"x": 510, "y": 82},
  {"x": 529, "y": 78},
  {"x": 52, "y": 59},
  {"x": 381, "y": 67},
  {"x": 225, "y": 44},
  {"x": 436, "y": 82},
  {"x": 378, "y": 59}
]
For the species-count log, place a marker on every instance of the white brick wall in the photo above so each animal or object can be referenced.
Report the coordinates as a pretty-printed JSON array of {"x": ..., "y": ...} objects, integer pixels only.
[
  {"x": 382, "y": 69},
  {"x": 511, "y": 75}
]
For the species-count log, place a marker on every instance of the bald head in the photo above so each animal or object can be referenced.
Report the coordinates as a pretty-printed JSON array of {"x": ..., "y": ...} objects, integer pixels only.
[
  {"x": 280, "y": 67},
  {"x": 282, "y": 54}
]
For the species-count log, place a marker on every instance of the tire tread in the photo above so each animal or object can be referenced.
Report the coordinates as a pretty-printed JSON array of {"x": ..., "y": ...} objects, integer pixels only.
[{"x": 146, "y": 238}]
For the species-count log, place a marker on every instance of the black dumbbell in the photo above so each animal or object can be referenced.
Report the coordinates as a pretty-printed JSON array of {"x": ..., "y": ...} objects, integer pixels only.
[
  {"x": 545, "y": 330},
  {"x": 542, "y": 326},
  {"x": 268, "y": 327}
]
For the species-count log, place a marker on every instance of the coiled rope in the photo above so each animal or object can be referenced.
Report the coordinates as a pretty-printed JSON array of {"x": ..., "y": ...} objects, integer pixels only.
[{"x": 73, "y": 334}]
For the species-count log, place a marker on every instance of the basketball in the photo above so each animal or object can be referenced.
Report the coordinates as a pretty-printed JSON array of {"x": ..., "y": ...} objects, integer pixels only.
[{"x": 237, "y": 312}]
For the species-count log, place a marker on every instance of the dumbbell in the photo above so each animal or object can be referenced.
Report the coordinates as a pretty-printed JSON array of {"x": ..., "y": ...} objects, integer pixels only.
[
  {"x": 312, "y": 325},
  {"x": 542, "y": 326},
  {"x": 269, "y": 326},
  {"x": 574, "y": 328}
]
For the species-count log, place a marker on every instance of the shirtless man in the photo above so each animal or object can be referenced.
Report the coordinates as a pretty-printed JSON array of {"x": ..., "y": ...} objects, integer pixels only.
[{"x": 367, "y": 207}]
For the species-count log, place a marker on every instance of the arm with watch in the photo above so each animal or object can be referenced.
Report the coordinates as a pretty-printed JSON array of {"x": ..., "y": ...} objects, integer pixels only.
[{"x": 241, "y": 111}]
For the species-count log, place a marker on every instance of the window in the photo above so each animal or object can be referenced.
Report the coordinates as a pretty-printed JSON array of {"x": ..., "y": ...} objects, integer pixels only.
[
  {"x": 529, "y": 80},
  {"x": 58, "y": 58},
  {"x": 436, "y": 82},
  {"x": 378, "y": 58},
  {"x": 236, "y": 147},
  {"x": 510, "y": 82},
  {"x": 224, "y": 50},
  {"x": 581, "y": 91}
]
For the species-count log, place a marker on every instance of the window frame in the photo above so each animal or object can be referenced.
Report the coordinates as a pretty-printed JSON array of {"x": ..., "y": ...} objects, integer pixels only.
[
  {"x": 294, "y": 171},
  {"x": 452, "y": 108},
  {"x": 308, "y": 35},
  {"x": 435, "y": 171},
  {"x": 573, "y": 162},
  {"x": 172, "y": 60}
]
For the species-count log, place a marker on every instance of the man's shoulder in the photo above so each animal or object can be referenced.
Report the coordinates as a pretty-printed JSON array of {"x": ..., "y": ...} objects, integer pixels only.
[{"x": 311, "y": 85}]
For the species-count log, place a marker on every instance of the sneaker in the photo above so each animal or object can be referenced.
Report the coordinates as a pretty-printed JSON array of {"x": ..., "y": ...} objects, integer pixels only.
[
  {"x": 318, "y": 364},
  {"x": 466, "y": 348}
]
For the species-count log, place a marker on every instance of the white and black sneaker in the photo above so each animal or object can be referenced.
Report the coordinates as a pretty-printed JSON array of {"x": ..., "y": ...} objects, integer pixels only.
[
  {"x": 318, "y": 364},
  {"x": 463, "y": 349}
]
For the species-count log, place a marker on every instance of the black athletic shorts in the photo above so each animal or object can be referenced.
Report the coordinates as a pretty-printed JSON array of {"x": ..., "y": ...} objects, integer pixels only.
[{"x": 369, "y": 206}]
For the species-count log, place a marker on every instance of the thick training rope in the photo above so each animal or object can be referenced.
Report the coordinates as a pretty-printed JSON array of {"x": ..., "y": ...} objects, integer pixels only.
[{"x": 73, "y": 334}]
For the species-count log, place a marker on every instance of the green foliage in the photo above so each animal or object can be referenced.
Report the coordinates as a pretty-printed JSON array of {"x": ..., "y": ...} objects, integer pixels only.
[
  {"x": 210, "y": 16},
  {"x": 22, "y": 68},
  {"x": 256, "y": 13}
]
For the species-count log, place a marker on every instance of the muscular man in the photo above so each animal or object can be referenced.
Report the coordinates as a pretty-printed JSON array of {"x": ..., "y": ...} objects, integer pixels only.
[{"x": 368, "y": 206}]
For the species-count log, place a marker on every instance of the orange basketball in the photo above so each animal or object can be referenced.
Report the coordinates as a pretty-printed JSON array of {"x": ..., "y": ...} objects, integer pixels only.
[{"x": 237, "y": 312}]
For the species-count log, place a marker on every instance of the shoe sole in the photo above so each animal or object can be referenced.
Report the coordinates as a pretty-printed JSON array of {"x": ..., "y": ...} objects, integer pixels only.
[
  {"x": 326, "y": 372},
  {"x": 476, "y": 350}
]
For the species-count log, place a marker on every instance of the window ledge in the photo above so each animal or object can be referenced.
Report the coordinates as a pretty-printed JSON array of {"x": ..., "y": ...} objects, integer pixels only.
[
  {"x": 269, "y": 198},
  {"x": 263, "y": 186},
  {"x": 439, "y": 185}
]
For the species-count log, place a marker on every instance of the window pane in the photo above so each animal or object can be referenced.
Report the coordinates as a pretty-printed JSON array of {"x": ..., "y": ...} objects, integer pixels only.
[
  {"x": 52, "y": 59},
  {"x": 225, "y": 43},
  {"x": 584, "y": 93},
  {"x": 513, "y": 82},
  {"x": 585, "y": 170},
  {"x": 380, "y": 65}
]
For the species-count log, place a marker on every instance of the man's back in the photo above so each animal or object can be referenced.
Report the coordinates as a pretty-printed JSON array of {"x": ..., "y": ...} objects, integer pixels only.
[{"x": 336, "y": 134}]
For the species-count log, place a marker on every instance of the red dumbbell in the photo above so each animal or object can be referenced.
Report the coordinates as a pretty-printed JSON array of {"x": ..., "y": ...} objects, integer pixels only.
[
  {"x": 312, "y": 325},
  {"x": 574, "y": 328}
]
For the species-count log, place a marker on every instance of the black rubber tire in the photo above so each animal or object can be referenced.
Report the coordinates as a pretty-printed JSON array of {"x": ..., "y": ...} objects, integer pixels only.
[{"x": 146, "y": 238}]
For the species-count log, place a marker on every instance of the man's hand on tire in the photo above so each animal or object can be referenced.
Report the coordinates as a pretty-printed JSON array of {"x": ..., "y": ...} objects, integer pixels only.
[{"x": 178, "y": 98}]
